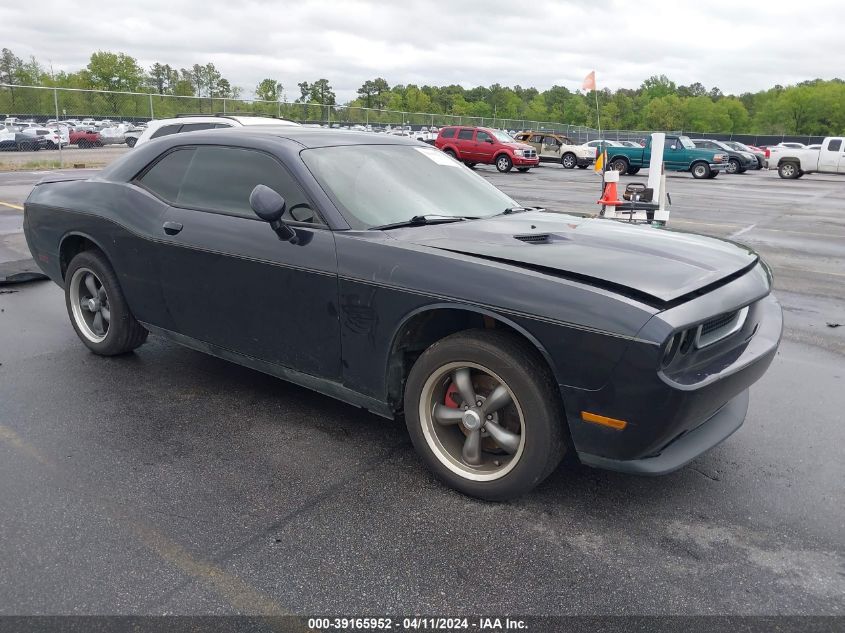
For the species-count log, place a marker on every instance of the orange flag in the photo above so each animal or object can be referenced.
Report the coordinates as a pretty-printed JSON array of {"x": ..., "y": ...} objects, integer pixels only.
[{"x": 590, "y": 81}]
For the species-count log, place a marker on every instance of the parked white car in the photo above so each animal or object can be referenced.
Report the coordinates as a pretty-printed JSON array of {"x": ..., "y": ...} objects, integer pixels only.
[
  {"x": 794, "y": 163},
  {"x": 53, "y": 138},
  {"x": 163, "y": 127},
  {"x": 594, "y": 144}
]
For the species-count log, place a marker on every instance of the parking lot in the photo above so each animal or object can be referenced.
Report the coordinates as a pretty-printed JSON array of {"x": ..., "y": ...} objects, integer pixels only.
[{"x": 168, "y": 481}]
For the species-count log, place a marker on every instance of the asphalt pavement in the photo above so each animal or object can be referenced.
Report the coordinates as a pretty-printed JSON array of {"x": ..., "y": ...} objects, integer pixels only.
[{"x": 167, "y": 481}]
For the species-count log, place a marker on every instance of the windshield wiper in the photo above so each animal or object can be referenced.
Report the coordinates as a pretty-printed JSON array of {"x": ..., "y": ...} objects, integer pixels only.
[
  {"x": 422, "y": 220},
  {"x": 510, "y": 210}
]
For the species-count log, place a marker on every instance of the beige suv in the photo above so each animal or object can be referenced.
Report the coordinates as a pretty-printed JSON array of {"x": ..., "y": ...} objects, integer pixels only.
[{"x": 558, "y": 148}]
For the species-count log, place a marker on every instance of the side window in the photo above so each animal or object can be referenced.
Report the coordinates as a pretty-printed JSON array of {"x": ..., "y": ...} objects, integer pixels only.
[
  {"x": 465, "y": 134},
  {"x": 166, "y": 130},
  {"x": 193, "y": 127},
  {"x": 448, "y": 132},
  {"x": 483, "y": 137},
  {"x": 551, "y": 140},
  {"x": 672, "y": 143},
  {"x": 834, "y": 145},
  {"x": 221, "y": 179},
  {"x": 165, "y": 177},
  {"x": 536, "y": 138}
]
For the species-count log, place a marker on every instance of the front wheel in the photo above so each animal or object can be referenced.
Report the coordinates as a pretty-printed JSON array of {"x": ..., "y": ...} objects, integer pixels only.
[
  {"x": 701, "y": 170},
  {"x": 504, "y": 163},
  {"x": 733, "y": 166},
  {"x": 569, "y": 161},
  {"x": 97, "y": 308},
  {"x": 483, "y": 411},
  {"x": 713, "y": 174},
  {"x": 620, "y": 165}
]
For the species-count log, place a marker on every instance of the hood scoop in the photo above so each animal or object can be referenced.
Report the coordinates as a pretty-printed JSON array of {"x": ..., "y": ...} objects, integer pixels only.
[{"x": 534, "y": 238}]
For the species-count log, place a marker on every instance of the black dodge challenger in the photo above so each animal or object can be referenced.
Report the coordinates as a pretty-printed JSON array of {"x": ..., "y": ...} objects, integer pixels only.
[{"x": 381, "y": 272}]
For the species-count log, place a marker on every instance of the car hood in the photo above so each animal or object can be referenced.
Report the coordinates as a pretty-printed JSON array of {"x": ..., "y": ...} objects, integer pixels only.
[{"x": 652, "y": 264}]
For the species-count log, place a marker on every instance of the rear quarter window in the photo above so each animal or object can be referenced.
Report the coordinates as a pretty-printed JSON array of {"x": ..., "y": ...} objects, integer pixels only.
[
  {"x": 165, "y": 176},
  {"x": 448, "y": 132},
  {"x": 166, "y": 130}
]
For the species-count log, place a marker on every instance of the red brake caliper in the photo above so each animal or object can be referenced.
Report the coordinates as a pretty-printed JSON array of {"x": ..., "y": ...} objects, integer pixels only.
[{"x": 453, "y": 398}]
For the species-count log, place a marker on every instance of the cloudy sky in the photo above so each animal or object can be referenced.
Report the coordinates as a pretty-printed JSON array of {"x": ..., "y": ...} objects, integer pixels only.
[{"x": 737, "y": 46}]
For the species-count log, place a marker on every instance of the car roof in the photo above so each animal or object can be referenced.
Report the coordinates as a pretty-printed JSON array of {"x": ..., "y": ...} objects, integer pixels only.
[{"x": 308, "y": 137}]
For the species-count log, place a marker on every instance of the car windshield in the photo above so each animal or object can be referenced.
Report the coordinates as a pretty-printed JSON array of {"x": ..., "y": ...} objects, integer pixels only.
[
  {"x": 374, "y": 185},
  {"x": 686, "y": 142},
  {"x": 504, "y": 137}
]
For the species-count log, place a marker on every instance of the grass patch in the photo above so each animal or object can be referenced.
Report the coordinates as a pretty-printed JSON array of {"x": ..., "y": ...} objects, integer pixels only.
[{"x": 46, "y": 164}]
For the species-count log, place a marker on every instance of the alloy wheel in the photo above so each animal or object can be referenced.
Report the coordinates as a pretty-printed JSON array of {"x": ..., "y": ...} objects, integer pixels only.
[
  {"x": 472, "y": 421},
  {"x": 90, "y": 305}
]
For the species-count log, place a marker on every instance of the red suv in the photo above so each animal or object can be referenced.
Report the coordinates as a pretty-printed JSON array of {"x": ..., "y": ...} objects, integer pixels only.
[{"x": 474, "y": 145}]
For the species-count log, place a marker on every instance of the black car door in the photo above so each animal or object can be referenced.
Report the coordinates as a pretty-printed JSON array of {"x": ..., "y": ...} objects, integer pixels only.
[{"x": 227, "y": 278}]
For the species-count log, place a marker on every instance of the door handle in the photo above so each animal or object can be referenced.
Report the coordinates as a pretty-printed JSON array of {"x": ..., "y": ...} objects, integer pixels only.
[{"x": 172, "y": 228}]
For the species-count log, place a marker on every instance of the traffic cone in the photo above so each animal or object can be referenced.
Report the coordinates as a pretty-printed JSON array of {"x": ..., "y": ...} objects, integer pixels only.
[{"x": 610, "y": 198}]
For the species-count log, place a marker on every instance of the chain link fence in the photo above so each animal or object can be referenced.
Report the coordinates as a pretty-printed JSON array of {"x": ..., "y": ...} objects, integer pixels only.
[{"x": 42, "y": 104}]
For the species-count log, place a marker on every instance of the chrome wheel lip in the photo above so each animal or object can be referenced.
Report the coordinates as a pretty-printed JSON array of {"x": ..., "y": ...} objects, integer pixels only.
[
  {"x": 430, "y": 427},
  {"x": 77, "y": 293}
]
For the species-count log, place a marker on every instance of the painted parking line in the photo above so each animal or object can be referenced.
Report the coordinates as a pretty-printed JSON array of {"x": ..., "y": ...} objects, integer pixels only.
[{"x": 11, "y": 206}]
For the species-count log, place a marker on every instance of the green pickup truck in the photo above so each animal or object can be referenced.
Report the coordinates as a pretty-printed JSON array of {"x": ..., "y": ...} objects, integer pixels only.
[{"x": 679, "y": 154}]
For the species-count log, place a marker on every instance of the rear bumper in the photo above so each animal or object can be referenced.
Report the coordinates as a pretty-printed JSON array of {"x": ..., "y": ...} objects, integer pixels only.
[{"x": 685, "y": 448}]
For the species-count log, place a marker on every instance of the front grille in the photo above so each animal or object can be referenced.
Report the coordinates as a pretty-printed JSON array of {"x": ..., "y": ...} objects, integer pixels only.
[
  {"x": 720, "y": 327},
  {"x": 530, "y": 153}
]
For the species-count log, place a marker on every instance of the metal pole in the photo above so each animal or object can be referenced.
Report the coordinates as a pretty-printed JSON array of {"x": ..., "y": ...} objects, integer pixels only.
[
  {"x": 58, "y": 129},
  {"x": 152, "y": 115},
  {"x": 224, "y": 105}
]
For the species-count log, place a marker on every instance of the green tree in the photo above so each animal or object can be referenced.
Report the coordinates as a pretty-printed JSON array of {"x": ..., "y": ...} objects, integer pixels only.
[
  {"x": 114, "y": 71},
  {"x": 269, "y": 90},
  {"x": 372, "y": 92}
]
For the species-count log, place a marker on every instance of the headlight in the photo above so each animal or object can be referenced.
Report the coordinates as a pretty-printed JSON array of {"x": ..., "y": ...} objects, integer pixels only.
[
  {"x": 718, "y": 158},
  {"x": 518, "y": 152}
]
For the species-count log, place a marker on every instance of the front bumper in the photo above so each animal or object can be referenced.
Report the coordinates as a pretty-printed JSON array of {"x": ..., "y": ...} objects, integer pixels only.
[
  {"x": 521, "y": 161},
  {"x": 673, "y": 418},
  {"x": 685, "y": 448},
  {"x": 718, "y": 166}
]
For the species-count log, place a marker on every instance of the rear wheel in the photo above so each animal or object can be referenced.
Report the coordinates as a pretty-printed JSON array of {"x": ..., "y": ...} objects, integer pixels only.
[
  {"x": 733, "y": 166},
  {"x": 451, "y": 153},
  {"x": 789, "y": 170},
  {"x": 569, "y": 161},
  {"x": 582, "y": 166},
  {"x": 701, "y": 170},
  {"x": 483, "y": 411},
  {"x": 503, "y": 163},
  {"x": 471, "y": 165},
  {"x": 97, "y": 308}
]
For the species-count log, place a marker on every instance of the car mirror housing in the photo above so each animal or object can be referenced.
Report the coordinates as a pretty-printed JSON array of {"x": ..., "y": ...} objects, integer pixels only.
[{"x": 269, "y": 205}]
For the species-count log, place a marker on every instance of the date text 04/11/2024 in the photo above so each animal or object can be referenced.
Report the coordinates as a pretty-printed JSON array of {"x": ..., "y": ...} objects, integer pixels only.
[{"x": 492, "y": 624}]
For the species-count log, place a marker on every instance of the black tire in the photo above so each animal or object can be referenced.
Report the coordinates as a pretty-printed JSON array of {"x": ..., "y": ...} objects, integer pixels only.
[
  {"x": 789, "y": 170},
  {"x": 124, "y": 333},
  {"x": 569, "y": 160},
  {"x": 583, "y": 166},
  {"x": 700, "y": 170},
  {"x": 130, "y": 142},
  {"x": 620, "y": 164},
  {"x": 633, "y": 170},
  {"x": 523, "y": 169},
  {"x": 742, "y": 170},
  {"x": 733, "y": 166},
  {"x": 26, "y": 146},
  {"x": 470, "y": 164},
  {"x": 84, "y": 144},
  {"x": 451, "y": 153},
  {"x": 504, "y": 163},
  {"x": 713, "y": 174},
  {"x": 527, "y": 377}
]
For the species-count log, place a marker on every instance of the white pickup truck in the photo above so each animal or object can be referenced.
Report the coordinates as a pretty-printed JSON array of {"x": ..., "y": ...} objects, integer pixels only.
[{"x": 794, "y": 163}]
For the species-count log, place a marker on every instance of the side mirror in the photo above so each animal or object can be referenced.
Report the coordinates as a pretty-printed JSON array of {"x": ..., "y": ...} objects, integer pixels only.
[{"x": 270, "y": 207}]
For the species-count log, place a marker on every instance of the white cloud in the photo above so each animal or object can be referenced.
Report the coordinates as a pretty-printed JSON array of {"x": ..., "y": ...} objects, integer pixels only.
[{"x": 737, "y": 47}]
